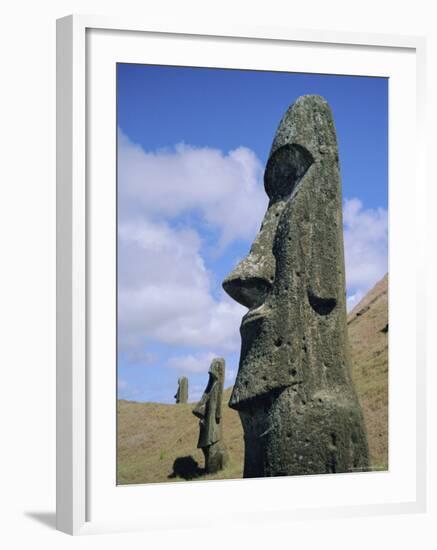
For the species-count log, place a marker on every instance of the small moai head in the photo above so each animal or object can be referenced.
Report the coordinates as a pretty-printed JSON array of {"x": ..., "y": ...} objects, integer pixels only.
[
  {"x": 209, "y": 408},
  {"x": 181, "y": 395},
  {"x": 217, "y": 372}
]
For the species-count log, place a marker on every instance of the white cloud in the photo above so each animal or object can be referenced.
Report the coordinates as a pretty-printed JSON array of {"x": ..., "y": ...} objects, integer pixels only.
[
  {"x": 199, "y": 362},
  {"x": 366, "y": 244},
  {"x": 165, "y": 291},
  {"x": 223, "y": 188}
]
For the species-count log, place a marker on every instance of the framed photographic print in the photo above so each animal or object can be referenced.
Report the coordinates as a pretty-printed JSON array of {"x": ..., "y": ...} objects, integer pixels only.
[{"x": 230, "y": 204}]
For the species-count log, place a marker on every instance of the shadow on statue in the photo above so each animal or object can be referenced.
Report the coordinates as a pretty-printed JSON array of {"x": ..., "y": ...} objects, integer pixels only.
[{"x": 186, "y": 468}]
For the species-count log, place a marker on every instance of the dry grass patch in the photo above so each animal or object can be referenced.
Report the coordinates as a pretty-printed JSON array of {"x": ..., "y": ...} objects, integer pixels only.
[
  {"x": 368, "y": 337},
  {"x": 154, "y": 438}
]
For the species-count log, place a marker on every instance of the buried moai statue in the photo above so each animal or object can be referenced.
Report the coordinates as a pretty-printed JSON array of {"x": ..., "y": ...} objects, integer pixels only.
[
  {"x": 293, "y": 391},
  {"x": 181, "y": 395},
  {"x": 209, "y": 411}
]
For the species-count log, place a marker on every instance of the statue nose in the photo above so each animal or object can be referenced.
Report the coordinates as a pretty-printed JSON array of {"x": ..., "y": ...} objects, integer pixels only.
[{"x": 250, "y": 282}]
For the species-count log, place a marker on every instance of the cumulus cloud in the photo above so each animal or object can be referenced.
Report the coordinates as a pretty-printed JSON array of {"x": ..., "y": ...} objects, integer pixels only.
[
  {"x": 165, "y": 292},
  {"x": 366, "y": 244},
  {"x": 199, "y": 362},
  {"x": 223, "y": 188}
]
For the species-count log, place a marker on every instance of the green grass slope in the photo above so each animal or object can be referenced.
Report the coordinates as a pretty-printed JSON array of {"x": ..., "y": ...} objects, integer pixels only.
[{"x": 157, "y": 442}]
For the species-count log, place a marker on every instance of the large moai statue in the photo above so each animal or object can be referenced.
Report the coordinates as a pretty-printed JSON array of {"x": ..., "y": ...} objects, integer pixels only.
[
  {"x": 181, "y": 395},
  {"x": 293, "y": 391},
  {"x": 209, "y": 411}
]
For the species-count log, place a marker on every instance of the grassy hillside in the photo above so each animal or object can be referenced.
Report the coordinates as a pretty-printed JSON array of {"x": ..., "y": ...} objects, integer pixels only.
[
  {"x": 368, "y": 337},
  {"x": 152, "y": 436},
  {"x": 157, "y": 442}
]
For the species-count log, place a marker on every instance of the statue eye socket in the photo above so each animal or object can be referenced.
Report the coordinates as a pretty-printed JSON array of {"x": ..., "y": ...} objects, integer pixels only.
[{"x": 285, "y": 168}]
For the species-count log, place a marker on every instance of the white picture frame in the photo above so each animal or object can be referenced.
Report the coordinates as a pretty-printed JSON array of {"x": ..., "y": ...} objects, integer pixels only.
[{"x": 76, "y": 211}]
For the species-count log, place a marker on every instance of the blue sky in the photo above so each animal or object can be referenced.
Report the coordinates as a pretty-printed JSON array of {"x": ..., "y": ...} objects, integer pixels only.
[{"x": 191, "y": 151}]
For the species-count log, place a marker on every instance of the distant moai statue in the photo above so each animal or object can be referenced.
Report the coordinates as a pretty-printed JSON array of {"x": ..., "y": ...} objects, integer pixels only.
[
  {"x": 293, "y": 390},
  {"x": 209, "y": 411},
  {"x": 181, "y": 395}
]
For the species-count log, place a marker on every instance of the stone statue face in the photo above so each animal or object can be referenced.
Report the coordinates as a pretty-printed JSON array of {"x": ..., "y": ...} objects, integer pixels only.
[
  {"x": 181, "y": 395},
  {"x": 292, "y": 280},
  {"x": 215, "y": 372}
]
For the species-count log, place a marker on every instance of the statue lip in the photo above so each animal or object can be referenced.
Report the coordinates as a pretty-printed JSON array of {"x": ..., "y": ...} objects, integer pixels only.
[{"x": 254, "y": 314}]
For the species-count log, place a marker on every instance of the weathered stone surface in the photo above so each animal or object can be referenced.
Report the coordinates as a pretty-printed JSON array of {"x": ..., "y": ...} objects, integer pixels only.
[
  {"x": 181, "y": 395},
  {"x": 209, "y": 411},
  {"x": 293, "y": 390}
]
